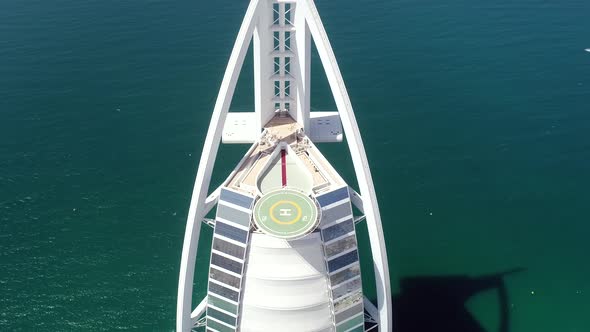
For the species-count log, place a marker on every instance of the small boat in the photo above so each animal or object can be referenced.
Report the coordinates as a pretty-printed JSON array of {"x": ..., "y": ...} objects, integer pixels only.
[
  {"x": 587, "y": 50},
  {"x": 284, "y": 253}
]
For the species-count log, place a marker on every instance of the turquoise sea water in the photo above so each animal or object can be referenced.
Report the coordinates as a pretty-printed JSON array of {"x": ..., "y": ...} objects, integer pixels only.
[{"x": 475, "y": 116}]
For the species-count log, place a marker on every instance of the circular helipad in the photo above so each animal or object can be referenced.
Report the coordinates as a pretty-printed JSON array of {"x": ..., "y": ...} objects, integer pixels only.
[{"x": 285, "y": 213}]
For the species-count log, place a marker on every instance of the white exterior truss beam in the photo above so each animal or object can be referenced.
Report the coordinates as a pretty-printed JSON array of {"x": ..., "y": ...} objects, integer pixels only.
[
  {"x": 199, "y": 311},
  {"x": 203, "y": 178},
  {"x": 359, "y": 159}
]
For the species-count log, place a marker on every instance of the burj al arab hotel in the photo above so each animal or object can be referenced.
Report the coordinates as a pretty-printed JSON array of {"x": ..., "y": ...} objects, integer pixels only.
[{"x": 284, "y": 253}]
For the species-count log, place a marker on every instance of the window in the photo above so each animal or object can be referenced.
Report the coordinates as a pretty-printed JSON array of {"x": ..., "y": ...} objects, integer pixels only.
[
  {"x": 288, "y": 13},
  {"x": 336, "y": 213},
  {"x": 226, "y": 263},
  {"x": 222, "y": 304},
  {"x": 231, "y": 232},
  {"x": 341, "y": 245},
  {"x": 223, "y": 291},
  {"x": 347, "y": 301},
  {"x": 233, "y": 215},
  {"x": 287, "y": 65},
  {"x": 277, "y": 41},
  {"x": 275, "y": 13},
  {"x": 337, "y": 230},
  {"x": 287, "y": 88},
  {"x": 277, "y": 63},
  {"x": 235, "y": 198},
  {"x": 347, "y": 288},
  {"x": 221, "y": 316},
  {"x": 358, "y": 320},
  {"x": 218, "y": 326},
  {"x": 333, "y": 196},
  {"x": 224, "y": 278},
  {"x": 359, "y": 328},
  {"x": 288, "y": 40},
  {"x": 228, "y": 248},
  {"x": 343, "y": 261},
  {"x": 350, "y": 312},
  {"x": 348, "y": 273}
]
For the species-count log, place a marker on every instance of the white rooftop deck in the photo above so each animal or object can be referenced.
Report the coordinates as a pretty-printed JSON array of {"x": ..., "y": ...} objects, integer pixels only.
[{"x": 303, "y": 154}]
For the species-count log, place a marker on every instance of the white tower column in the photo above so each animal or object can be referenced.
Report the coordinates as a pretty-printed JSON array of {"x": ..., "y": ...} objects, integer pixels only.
[
  {"x": 302, "y": 68},
  {"x": 263, "y": 66},
  {"x": 282, "y": 54}
]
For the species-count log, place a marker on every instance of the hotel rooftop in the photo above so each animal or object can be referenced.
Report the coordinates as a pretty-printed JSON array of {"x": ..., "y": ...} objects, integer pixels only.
[{"x": 284, "y": 254}]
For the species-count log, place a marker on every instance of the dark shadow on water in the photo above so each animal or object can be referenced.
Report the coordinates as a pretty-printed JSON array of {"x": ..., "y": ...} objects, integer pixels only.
[{"x": 438, "y": 304}]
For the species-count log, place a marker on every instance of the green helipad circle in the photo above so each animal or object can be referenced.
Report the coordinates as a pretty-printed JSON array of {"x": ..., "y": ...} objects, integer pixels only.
[{"x": 285, "y": 213}]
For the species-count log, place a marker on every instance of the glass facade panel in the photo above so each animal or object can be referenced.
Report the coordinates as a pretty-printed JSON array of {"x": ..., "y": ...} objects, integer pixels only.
[
  {"x": 277, "y": 41},
  {"x": 333, "y": 196},
  {"x": 223, "y": 291},
  {"x": 277, "y": 63},
  {"x": 347, "y": 313},
  {"x": 288, "y": 40},
  {"x": 351, "y": 323},
  {"x": 288, "y": 13},
  {"x": 219, "y": 327},
  {"x": 348, "y": 273},
  {"x": 360, "y": 328},
  {"x": 237, "y": 199},
  {"x": 224, "y": 278},
  {"x": 347, "y": 288},
  {"x": 231, "y": 232},
  {"x": 228, "y": 248},
  {"x": 347, "y": 301},
  {"x": 275, "y": 13},
  {"x": 336, "y": 231},
  {"x": 287, "y": 65},
  {"x": 342, "y": 245},
  {"x": 343, "y": 260},
  {"x": 226, "y": 263},
  {"x": 336, "y": 213},
  {"x": 221, "y": 316},
  {"x": 233, "y": 215},
  {"x": 222, "y": 304}
]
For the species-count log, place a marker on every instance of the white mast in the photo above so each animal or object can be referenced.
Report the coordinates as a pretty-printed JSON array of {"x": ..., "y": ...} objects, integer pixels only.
[{"x": 282, "y": 81}]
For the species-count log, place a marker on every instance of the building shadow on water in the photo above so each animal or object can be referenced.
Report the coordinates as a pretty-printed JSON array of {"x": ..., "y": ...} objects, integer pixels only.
[{"x": 429, "y": 304}]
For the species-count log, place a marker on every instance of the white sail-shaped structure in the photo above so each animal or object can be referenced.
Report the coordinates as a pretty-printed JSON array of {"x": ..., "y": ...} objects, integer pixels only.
[{"x": 284, "y": 253}]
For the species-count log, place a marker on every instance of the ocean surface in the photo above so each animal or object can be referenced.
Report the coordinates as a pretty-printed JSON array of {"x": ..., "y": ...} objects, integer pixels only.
[{"x": 475, "y": 116}]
